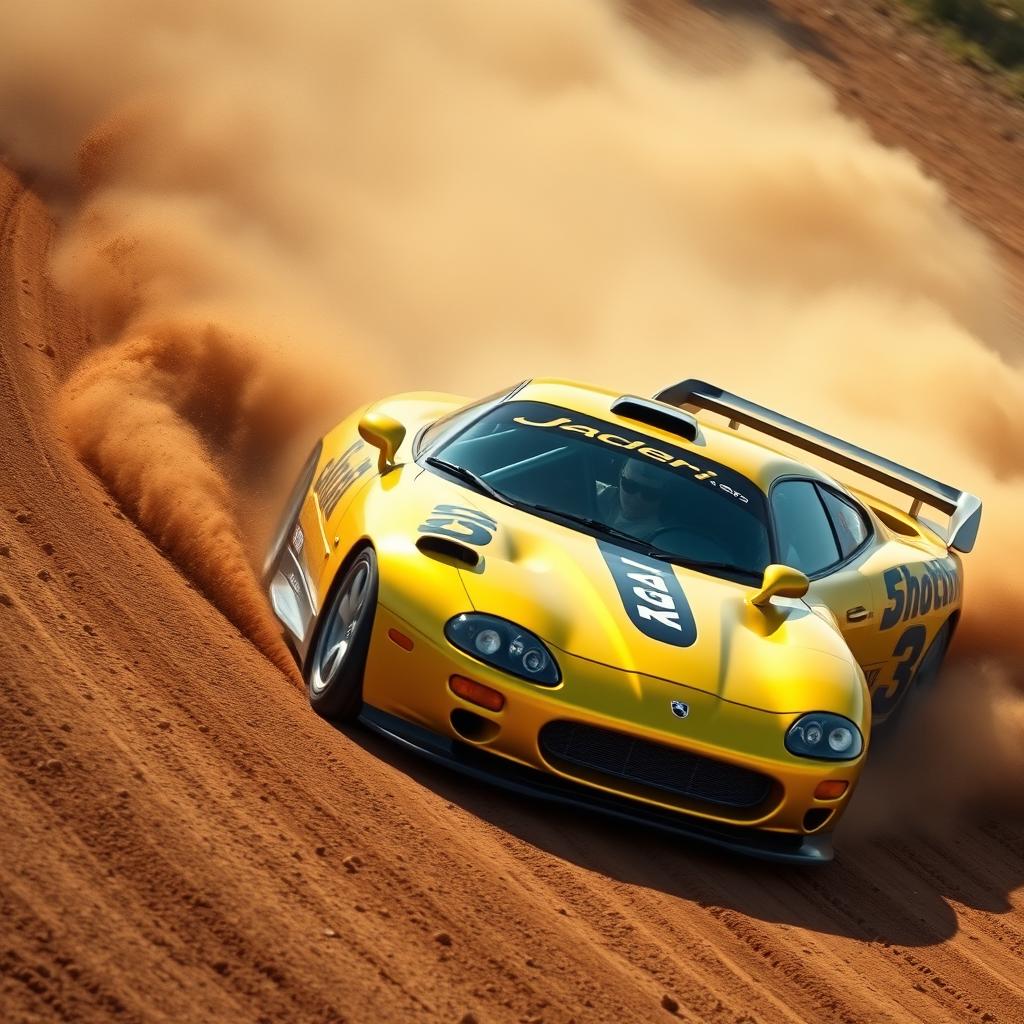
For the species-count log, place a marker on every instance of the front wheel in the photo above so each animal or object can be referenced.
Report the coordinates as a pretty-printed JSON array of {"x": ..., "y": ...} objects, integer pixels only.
[{"x": 338, "y": 658}]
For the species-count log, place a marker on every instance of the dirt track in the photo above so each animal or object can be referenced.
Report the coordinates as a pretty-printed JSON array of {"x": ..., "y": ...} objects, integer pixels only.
[{"x": 182, "y": 840}]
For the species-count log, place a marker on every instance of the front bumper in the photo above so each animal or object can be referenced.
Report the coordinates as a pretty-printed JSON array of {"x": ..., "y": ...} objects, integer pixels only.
[
  {"x": 408, "y": 699},
  {"x": 498, "y": 771}
]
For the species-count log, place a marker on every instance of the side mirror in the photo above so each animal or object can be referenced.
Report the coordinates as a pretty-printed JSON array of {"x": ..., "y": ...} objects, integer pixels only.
[
  {"x": 780, "y": 581},
  {"x": 383, "y": 432}
]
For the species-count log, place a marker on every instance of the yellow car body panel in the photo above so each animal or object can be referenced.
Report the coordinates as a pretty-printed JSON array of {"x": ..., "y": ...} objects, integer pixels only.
[{"x": 750, "y": 675}]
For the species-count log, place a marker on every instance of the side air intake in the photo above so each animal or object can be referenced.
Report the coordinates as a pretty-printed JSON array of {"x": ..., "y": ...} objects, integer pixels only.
[{"x": 446, "y": 550}]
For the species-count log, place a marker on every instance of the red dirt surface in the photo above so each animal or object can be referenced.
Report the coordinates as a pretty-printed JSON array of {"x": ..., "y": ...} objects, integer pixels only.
[{"x": 182, "y": 839}]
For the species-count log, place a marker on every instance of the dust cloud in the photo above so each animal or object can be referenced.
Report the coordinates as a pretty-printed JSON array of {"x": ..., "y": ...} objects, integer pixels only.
[{"x": 272, "y": 212}]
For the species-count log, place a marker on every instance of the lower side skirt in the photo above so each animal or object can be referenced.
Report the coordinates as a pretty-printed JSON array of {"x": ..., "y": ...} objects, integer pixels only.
[{"x": 479, "y": 764}]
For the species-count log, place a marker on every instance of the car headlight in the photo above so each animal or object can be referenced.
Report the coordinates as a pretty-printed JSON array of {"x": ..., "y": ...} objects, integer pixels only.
[
  {"x": 504, "y": 645},
  {"x": 825, "y": 737}
]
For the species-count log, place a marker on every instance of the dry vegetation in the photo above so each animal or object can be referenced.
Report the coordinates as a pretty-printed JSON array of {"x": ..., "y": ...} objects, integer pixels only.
[{"x": 988, "y": 34}]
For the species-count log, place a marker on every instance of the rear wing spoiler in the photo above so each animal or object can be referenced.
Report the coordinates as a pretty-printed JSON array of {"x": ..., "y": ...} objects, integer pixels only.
[{"x": 964, "y": 509}]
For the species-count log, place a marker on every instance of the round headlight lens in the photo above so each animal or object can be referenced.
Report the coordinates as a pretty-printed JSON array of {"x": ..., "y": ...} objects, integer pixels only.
[
  {"x": 487, "y": 641},
  {"x": 504, "y": 645},
  {"x": 840, "y": 739},
  {"x": 825, "y": 737},
  {"x": 534, "y": 661}
]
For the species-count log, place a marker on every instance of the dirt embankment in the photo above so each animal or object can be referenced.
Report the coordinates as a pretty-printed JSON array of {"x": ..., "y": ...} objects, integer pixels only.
[{"x": 181, "y": 840}]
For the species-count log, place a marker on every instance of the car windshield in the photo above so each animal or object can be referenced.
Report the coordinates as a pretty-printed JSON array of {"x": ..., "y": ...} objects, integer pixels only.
[{"x": 616, "y": 481}]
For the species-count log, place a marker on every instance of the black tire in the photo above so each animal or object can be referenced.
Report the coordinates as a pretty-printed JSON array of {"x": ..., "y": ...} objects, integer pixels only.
[
  {"x": 931, "y": 664},
  {"x": 337, "y": 659}
]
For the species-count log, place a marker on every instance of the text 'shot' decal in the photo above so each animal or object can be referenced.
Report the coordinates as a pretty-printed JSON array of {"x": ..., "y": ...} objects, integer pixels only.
[
  {"x": 915, "y": 590},
  {"x": 651, "y": 595}
]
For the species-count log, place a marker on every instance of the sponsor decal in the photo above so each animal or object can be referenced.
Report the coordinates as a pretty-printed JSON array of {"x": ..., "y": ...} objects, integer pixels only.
[
  {"x": 915, "y": 590},
  {"x": 338, "y": 476},
  {"x": 651, "y": 595},
  {"x": 458, "y": 522},
  {"x": 639, "y": 446},
  {"x": 680, "y": 708},
  {"x": 906, "y": 657}
]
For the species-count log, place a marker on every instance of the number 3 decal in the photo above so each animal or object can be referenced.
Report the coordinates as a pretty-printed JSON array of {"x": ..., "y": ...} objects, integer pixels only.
[{"x": 908, "y": 648}]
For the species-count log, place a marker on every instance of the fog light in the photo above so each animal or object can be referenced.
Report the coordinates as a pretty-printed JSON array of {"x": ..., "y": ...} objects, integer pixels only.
[
  {"x": 476, "y": 693},
  {"x": 832, "y": 789},
  {"x": 816, "y": 817}
]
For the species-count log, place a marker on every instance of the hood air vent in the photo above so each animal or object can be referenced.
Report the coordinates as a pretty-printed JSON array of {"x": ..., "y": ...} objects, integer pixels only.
[{"x": 657, "y": 414}]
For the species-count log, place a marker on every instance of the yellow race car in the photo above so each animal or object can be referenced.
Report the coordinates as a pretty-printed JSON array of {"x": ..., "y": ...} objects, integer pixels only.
[{"x": 613, "y": 602}]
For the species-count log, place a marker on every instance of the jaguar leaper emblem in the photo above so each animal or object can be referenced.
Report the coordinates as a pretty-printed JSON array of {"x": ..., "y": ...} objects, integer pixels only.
[{"x": 680, "y": 708}]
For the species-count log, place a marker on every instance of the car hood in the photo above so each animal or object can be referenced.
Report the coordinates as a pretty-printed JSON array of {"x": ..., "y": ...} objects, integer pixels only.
[{"x": 611, "y": 604}]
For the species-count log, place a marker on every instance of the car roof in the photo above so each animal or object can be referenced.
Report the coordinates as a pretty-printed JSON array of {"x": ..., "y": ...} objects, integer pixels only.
[{"x": 746, "y": 454}]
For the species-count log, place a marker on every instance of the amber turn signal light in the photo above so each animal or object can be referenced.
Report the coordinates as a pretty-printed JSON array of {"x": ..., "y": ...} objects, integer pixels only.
[
  {"x": 476, "y": 693},
  {"x": 832, "y": 789}
]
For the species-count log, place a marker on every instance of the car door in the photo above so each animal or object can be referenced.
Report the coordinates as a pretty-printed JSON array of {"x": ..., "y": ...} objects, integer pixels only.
[{"x": 828, "y": 538}]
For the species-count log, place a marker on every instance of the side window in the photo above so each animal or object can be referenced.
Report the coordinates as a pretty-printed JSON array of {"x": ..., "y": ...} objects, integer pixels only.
[
  {"x": 851, "y": 529},
  {"x": 806, "y": 540}
]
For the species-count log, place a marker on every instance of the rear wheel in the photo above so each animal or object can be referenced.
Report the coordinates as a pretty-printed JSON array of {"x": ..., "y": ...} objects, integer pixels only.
[
  {"x": 931, "y": 663},
  {"x": 338, "y": 658}
]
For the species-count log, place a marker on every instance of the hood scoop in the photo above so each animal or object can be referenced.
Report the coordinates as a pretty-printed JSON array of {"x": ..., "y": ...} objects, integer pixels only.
[
  {"x": 451, "y": 552},
  {"x": 659, "y": 414}
]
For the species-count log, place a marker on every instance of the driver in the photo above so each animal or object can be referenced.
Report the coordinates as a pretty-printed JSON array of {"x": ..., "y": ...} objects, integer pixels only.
[{"x": 635, "y": 505}]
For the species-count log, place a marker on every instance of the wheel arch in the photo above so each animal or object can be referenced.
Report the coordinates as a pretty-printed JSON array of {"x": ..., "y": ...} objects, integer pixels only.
[
  {"x": 953, "y": 621},
  {"x": 339, "y": 574}
]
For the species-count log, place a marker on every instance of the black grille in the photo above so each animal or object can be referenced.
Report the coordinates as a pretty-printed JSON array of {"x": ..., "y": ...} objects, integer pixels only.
[{"x": 651, "y": 764}]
